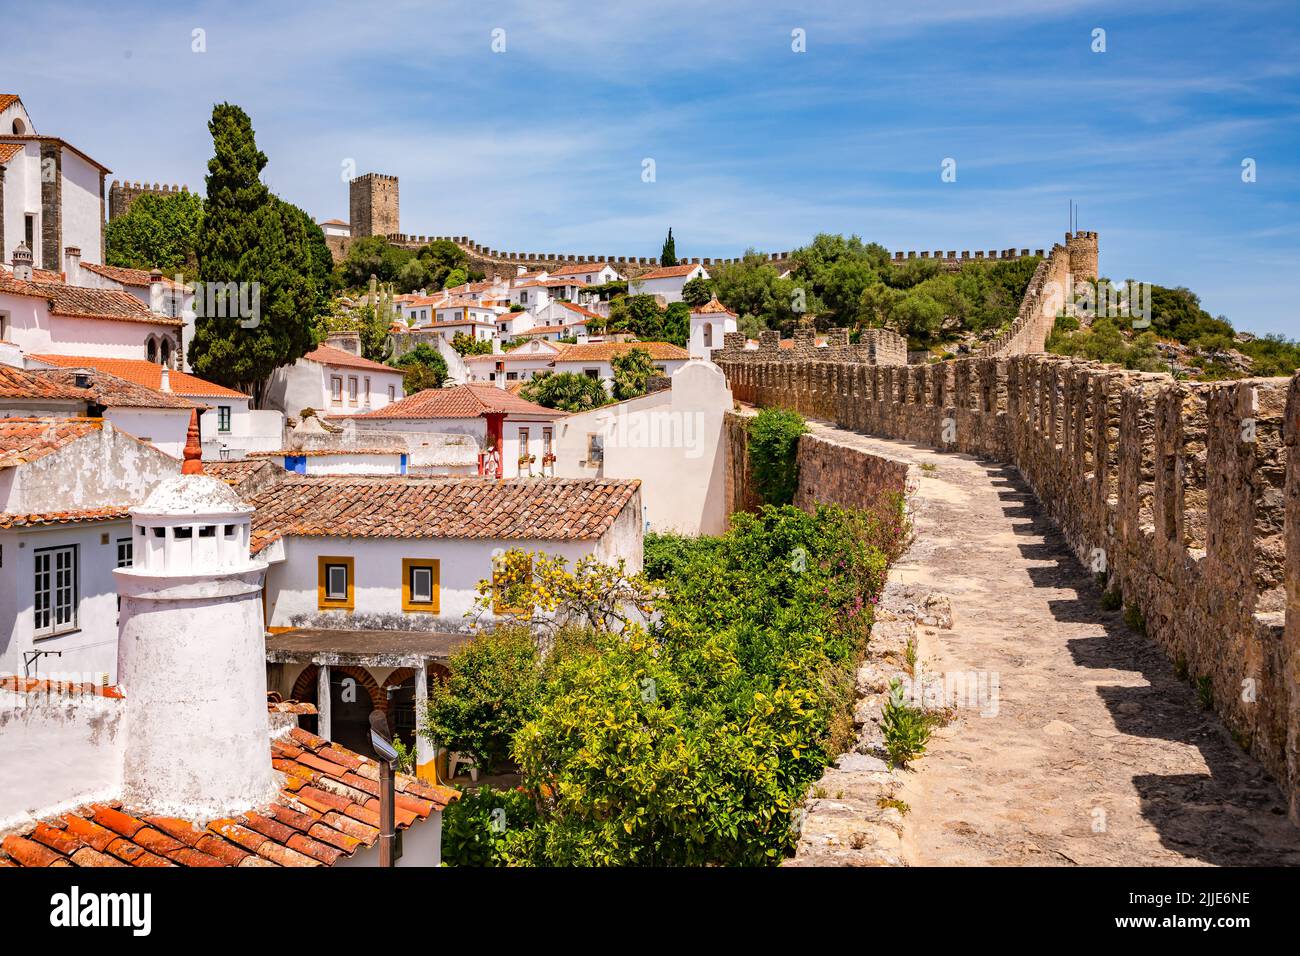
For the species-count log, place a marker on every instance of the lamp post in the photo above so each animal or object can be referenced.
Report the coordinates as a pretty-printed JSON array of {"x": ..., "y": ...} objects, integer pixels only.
[{"x": 382, "y": 742}]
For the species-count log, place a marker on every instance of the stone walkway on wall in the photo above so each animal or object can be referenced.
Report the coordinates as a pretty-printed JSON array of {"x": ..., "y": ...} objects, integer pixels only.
[{"x": 1097, "y": 753}]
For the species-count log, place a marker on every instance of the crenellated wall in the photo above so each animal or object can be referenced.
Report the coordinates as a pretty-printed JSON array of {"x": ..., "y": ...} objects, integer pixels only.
[{"x": 1186, "y": 494}]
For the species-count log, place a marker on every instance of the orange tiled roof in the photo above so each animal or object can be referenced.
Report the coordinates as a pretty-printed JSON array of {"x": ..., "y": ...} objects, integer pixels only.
[
  {"x": 712, "y": 307},
  {"x": 7, "y": 100},
  {"x": 143, "y": 372},
  {"x": 9, "y": 150},
  {"x": 236, "y": 472},
  {"x": 604, "y": 351},
  {"x": 322, "y": 452},
  {"x": 536, "y": 509},
  {"x": 37, "y": 519},
  {"x": 327, "y": 809},
  {"x": 17, "y": 383},
  {"x": 109, "y": 390},
  {"x": 463, "y": 401},
  {"x": 579, "y": 268},
  {"x": 79, "y": 302},
  {"x": 131, "y": 277},
  {"x": 670, "y": 272},
  {"x": 581, "y": 310},
  {"x": 329, "y": 355},
  {"x": 28, "y": 439},
  {"x": 554, "y": 283}
]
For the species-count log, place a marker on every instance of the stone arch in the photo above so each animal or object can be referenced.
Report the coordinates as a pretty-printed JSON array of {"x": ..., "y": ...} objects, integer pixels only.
[
  {"x": 151, "y": 348},
  {"x": 304, "y": 688}
]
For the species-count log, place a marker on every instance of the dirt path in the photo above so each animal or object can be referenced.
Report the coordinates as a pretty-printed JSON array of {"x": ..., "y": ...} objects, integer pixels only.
[{"x": 1097, "y": 754}]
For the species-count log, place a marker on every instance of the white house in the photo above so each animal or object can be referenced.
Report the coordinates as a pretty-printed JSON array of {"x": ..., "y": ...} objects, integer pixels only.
[
  {"x": 709, "y": 323},
  {"x": 26, "y": 394},
  {"x": 189, "y": 742},
  {"x": 334, "y": 381},
  {"x": 588, "y": 273},
  {"x": 596, "y": 359},
  {"x": 229, "y": 427},
  {"x": 338, "y": 460},
  {"x": 65, "y": 487},
  {"x": 509, "y": 429},
  {"x": 171, "y": 297},
  {"x": 53, "y": 192},
  {"x": 348, "y": 552},
  {"x": 335, "y": 227},
  {"x": 666, "y": 282},
  {"x": 517, "y": 365},
  {"x": 672, "y": 440},
  {"x": 41, "y": 313}
]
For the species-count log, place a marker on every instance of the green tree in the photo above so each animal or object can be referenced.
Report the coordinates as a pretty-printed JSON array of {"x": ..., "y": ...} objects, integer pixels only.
[
  {"x": 455, "y": 277},
  {"x": 158, "y": 232},
  {"x": 773, "y": 453},
  {"x": 365, "y": 321},
  {"x": 373, "y": 256},
  {"x": 698, "y": 291},
  {"x": 632, "y": 372},
  {"x": 668, "y": 255},
  {"x": 638, "y": 314},
  {"x": 251, "y": 238},
  {"x": 424, "y": 367},
  {"x": 677, "y": 324},
  {"x": 466, "y": 344},
  {"x": 567, "y": 391}
]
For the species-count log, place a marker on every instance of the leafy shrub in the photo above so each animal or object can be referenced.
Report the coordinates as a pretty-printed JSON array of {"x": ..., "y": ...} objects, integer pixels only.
[
  {"x": 477, "y": 829},
  {"x": 666, "y": 554},
  {"x": 1111, "y": 600},
  {"x": 691, "y": 742},
  {"x": 567, "y": 391},
  {"x": 489, "y": 694},
  {"x": 773, "y": 449}
]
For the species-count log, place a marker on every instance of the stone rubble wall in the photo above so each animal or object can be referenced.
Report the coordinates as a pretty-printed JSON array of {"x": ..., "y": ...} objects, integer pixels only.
[{"x": 1186, "y": 495}]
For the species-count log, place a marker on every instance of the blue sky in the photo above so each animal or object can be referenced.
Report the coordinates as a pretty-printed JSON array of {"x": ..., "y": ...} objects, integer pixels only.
[{"x": 541, "y": 147}]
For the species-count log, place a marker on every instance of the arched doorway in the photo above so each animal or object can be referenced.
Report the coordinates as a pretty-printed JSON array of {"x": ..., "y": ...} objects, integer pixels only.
[{"x": 353, "y": 695}]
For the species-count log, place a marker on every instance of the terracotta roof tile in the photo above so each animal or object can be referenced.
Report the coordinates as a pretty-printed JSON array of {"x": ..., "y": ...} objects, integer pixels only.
[
  {"x": 139, "y": 278},
  {"x": 144, "y": 372},
  {"x": 579, "y": 268},
  {"x": 463, "y": 401},
  {"x": 18, "y": 383},
  {"x": 28, "y": 439},
  {"x": 329, "y": 355},
  {"x": 9, "y": 150},
  {"x": 33, "y": 520},
  {"x": 604, "y": 351},
  {"x": 111, "y": 391},
  {"x": 80, "y": 302},
  {"x": 669, "y": 272},
  {"x": 523, "y": 509},
  {"x": 287, "y": 832}
]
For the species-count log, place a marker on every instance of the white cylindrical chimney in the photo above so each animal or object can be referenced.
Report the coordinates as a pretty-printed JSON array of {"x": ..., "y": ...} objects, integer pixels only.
[
  {"x": 192, "y": 653},
  {"x": 164, "y": 380},
  {"x": 156, "y": 292},
  {"x": 72, "y": 265},
  {"x": 23, "y": 263}
]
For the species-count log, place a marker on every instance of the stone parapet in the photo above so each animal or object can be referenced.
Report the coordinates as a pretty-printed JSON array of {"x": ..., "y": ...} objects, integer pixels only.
[{"x": 1185, "y": 496}]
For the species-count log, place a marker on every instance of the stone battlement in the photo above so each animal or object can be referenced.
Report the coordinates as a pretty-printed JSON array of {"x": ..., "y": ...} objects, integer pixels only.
[
  {"x": 1186, "y": 496},
  {"x": 121, "y": 195},
  {"x": 874, "y": 347}
]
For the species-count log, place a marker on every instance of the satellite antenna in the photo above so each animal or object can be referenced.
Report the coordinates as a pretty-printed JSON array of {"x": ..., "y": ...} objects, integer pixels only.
[{"x": 382, "y": 742}]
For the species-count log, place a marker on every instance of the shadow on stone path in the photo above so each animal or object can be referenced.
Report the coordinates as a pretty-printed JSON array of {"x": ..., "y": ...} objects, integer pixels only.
[{"x": 1097, "y": 753}]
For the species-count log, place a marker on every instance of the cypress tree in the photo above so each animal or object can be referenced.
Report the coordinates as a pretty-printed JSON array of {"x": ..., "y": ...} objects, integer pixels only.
[
  {"x": 251, "y": 236},
  {"x": 668, "y": 255}
]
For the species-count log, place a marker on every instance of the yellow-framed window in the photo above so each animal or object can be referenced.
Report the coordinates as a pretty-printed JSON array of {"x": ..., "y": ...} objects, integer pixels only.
[
  {"x": 421, "y": 585},
  {"x": 335, "y": 583}
]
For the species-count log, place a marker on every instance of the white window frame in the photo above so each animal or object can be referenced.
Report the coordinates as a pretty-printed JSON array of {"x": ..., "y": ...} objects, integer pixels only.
[
  {"x": 417, "y": 572},
  {"x": 330, "y": 593},
  {"x": 54, "y": 584}
]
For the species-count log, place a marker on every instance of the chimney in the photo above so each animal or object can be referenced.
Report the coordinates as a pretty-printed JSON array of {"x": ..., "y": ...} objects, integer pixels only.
[
  {"x": 583, "y": 338},
  {"x": 164, "y": 380},
  {"x": 72, "y": 265},
  {"x": 345, "y": 341},
  {"x": 191, "y": 653},
  {"x": 521, "y": 270},
  {"x": 156, "y": 292},
  {"x": 23, "y": 263}
]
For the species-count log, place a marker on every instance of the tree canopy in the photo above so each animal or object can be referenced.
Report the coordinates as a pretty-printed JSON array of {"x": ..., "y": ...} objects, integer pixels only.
[
  {"x": 424, "y": 367},
  {"x": 269, "y": 250},
  {"x": 567, "y": 391},
  {"x": 157, "y": 232}
]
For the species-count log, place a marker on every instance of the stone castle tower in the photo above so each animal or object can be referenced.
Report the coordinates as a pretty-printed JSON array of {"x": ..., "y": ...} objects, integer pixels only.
[
  {"x": 373, "y": 205},
  {"x": 1082, "y": 250}
]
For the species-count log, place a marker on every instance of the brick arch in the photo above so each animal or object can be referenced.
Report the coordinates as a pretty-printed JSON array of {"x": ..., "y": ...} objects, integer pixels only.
[
  {"x": 432, "y": 672},
  {"x": 304, "y": 688}
]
